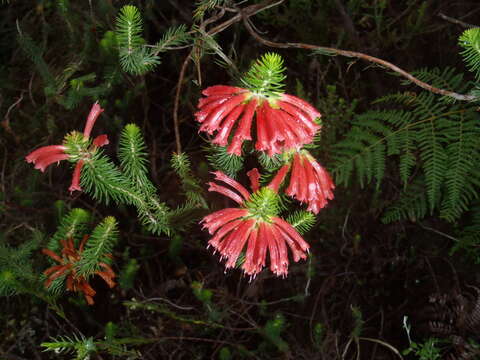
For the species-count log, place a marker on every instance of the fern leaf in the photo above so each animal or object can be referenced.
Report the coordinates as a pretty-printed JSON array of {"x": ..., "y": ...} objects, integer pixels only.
[
  {"x": 462, "y": 150},
  {"x": 435, "y": 159},
  {"x": 412, "y": 205}
]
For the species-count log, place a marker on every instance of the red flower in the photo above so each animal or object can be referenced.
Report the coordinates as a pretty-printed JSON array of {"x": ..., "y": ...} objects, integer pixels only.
[
  {"x": 68, "y": 262},
  {"x": 254, "y": 227},
  {"x": 309, "y": 182},
  {"x": 284, "y": 122},
  {"x": 47, "y": 155}
]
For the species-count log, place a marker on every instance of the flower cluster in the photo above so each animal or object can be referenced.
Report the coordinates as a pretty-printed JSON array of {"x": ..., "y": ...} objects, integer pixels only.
[
  {"x": 68, "y": 261},
  {"x": 282, "y": 121},
  {"x": 76, "y": 150},
  {"x": 254, "y": 226},
  {"x": 277, "y": 124},
  {"x": 309, "y": 182}
]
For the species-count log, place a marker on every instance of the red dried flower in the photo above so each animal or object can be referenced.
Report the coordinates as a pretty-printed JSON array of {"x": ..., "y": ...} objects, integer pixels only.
[
  {"x": 68, "y": 263},
  {"x": 283, "y": 122},
  {"x": 47, "y": 155},
  {"x": 253, "y": 225}
]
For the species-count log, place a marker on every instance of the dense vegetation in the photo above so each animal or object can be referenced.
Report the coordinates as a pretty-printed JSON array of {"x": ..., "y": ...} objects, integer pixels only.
[{"x": 112, "y": 261}]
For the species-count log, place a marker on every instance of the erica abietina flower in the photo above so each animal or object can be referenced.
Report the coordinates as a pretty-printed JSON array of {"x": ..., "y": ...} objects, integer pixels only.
[
  {"x": 283, "y": 122},
  {"x": 47, "y": 155},
  {"x": 309, "y": 182},
  {"x": 68, "y": 263},
  {"x": 253, "y": 227}
]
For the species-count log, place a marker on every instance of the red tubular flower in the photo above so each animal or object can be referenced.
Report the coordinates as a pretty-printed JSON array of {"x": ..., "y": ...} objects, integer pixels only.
[
  {"x": 309, "y": 182},
  {"x": 283, "y": 122},
  {"x": 47, "y": 155},
  {"x": 68, "y": 262},
  {"x": 253, "y": 227}
]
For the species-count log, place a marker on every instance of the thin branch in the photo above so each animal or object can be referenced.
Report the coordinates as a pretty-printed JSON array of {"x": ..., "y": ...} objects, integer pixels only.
[
  {"x": 456, "y": 21},
  {"x": 358, "y": 55}
]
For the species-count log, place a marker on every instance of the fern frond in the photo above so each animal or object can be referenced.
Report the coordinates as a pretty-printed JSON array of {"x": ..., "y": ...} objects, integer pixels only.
[
  {"x": 470, "y": 42},
  {"x": 302, "y": 221},
  {"x": 98, "y": 247},
  {"x": 462, "y": 151},
  {"x": 219, "y": 159},
  {"x": 412, "y": 205},
  {"x": 72, "y": 226}
]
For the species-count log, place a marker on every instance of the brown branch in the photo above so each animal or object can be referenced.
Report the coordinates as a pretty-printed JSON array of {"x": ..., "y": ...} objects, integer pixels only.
[{"x": 358, "y": 55}]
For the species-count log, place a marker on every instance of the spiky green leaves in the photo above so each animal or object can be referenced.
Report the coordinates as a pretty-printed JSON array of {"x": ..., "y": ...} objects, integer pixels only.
[
  {"x": 135, "y": 56},
  {"x": 99, "y": 246},
  {"x": 470, "y": 42},
  {"x": 265, "y": 76},
  {"x": 263, "y": 204}
]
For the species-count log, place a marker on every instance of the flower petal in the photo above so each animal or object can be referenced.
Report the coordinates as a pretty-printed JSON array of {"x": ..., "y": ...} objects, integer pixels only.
[
  {"x": 75, "y": 186},
  {"x": 243, "y": 130},
  {"x": 45, "y": 151},
  {"x": 101, "y": 140},
  {"x": 222, "y": 136},
  {"x": 95, "y": 112},
  {"x": 215, "y": 117},
  {"x": 219, "y": 175},
  {"x": 223, "y": 90},
  {"x": 43, "y": 162}
]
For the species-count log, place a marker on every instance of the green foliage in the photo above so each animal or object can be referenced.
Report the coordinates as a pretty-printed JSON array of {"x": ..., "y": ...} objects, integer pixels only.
[
  {"x": 136, "y": 57},
  {"x": 79, "y": 346},
  {"x": 273, "y": 332},
  {"x": 99, "y": 247},
  {"x": 358, "y": 322},
  {"x": 470, "y": 42},
  {"x": 133, "y": 159},
  {"x": 203, "y": 6},
  {"x": 83, "y": 348},
  {"x": 17, "y": 275},
  {"x": 72, "y": 226},
  {"x": 468, "y": 237},
  {"x": 428, "y": 138},
  {"x": 128, "y": 274},
  {"x": 219, "y": 159},
  {"x": 427, "y": 350},
  {"x": 302, "y": 220},
  {"x": 191, "y": 186},
  {"x": 105, "y": 182},
  {"x": 265, "y": 76},
  {"x": 34, "y": 52}
]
